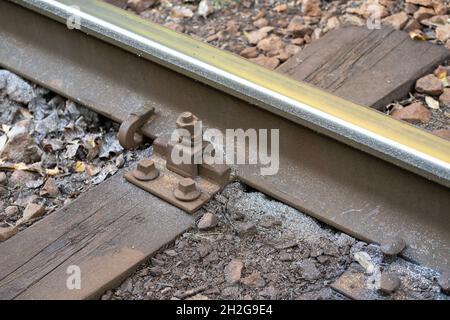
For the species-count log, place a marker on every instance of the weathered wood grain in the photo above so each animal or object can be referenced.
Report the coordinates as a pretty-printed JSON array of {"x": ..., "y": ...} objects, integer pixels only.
[
  {"x": 369, "y": 67},
  {"x": 107, "y": 232}
]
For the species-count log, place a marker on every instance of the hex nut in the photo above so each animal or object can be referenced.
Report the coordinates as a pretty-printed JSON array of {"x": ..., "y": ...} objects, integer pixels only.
[
  {"x": 186, "y": 190},
  {"x": 146, "y": 170}
]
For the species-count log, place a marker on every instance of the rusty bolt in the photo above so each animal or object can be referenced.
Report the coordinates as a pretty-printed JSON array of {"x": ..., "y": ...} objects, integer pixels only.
[
  {"x": 393, "y": 246},
  {"x": 186, "y": 117},
  {"x": 146, "y": 170},
  {"x": 444, "y": 282},
  {"x": 187, "y": 121},
  {"x": 186, "y": 190}
]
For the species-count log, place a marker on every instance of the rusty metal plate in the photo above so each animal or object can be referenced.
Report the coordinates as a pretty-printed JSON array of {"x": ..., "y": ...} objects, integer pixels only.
[{"x": 167, "y": 181}]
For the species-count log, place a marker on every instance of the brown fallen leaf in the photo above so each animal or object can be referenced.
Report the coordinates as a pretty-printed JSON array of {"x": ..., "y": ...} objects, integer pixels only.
[
  {"x": 52, "y": 172},
  {"x": 417, "y": 35}
]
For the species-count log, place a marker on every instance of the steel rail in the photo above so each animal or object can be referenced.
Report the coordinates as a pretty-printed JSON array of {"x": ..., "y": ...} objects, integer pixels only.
[
  {"x": 296, "y": 101},
  {"x": 345, "y": 164}
]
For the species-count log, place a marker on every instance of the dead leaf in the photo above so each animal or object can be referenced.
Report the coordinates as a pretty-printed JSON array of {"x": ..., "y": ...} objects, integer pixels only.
[
  {"x": 53, "y": 172},
  {"x": 441, "y": 74},
  {"x": 417, "y": 35},
  {"x": 79, "y": 166}
]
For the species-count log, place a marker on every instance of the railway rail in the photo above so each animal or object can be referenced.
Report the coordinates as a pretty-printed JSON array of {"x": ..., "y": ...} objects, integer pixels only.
[{"x": 344, "y": 164}]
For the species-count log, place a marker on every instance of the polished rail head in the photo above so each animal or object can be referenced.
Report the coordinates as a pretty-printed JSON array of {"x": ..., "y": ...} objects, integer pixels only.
[{"x": 358, "y": 126}]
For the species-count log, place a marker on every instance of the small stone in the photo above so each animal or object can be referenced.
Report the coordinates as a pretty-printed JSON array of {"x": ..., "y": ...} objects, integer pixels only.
[
  {"x": 410, "y": 8},
  {"x": 181, "y": 12},
  {"x": 443, "y": 133},
  {"x": 412, "y": 25},
  {"x": 269, "y": 222},
  {"x": 444, "y": 282},
  {"x": 308, "y": 270},
  {"x": 372, "y": 9},
  {"x": 3, "y": 191},
  {"x": 198, "y": 297},
  {"x": 24, "y": 201},
  {"x": 389, "y": 283},
  {"x": 49, "y": 189},
  {"x": 443, "y": 33},
  {"x": 354, "y": 20},
  {"x": 429, "y": 84},
  {"x": 271, "y": 46},
  {"x": 21, "y": 178},
  {"x": 393, "y": 247},
  {"x": 292, "y": 49},
  {"x": 233, "y": 271},
  {"x": 333, "y": 23},
  {"x": 171, "y": 253},
  {"x": 255, "y": 36},
  {"x": 3, "y": 178},
  {"x": 140, "y": 5},
  {"x": 281, "y": 7},
  {"x": 21, "y": 148},
  {"x": 155, "y": 271},
  {"x": 157, "y": 262},
  {"x": 364, "y": 259},
  {"x": 298, "y": 28},
  {"x": 440, "y": 8},
  {"x": 16, "y": 88},
  {"x": 423, "y": 13},
  {"x": 263, "y": 22},
  {"x": 11, "y": 210},
  {"x": 32, "y": 211},
  {"x": 8, "y": 232},
  {"x": 268, "y": 62},
  {"x": 298, "y": 41},
  {"x": 285, "y": 257},
  {"x": 120, "y": 161},
  {"x": 250, "y": 52},
  {"x": 397, "y": 21},
  {"x": 208, "y": 221},
  {"x": 424, "y": 3},
  {"x": 444, "y": 98},
  {"x": 246, "y": 229},
  {"x": 205, "y": 8},
  {"x": 254, "y": 280},
  {"x": 415, "y": 112},
  {"x": 311, "y": 8}
]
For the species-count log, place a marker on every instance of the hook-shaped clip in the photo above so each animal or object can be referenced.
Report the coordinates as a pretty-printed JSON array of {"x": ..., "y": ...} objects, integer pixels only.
[{"x": 129, "y": 138}]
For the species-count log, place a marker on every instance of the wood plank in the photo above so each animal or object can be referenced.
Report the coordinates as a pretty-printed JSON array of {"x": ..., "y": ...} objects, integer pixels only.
[
  {"x": 369, "y": 67},
  {"x": 107, "y": 232}
]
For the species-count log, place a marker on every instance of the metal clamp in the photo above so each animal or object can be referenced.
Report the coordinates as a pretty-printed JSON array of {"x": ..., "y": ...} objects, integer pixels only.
[
  {"x": 187, "y": 186},
  {"x": 129, "y": 138}
]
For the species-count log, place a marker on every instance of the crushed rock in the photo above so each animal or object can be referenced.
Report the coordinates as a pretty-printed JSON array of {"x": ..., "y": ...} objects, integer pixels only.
[
  {"x": 51, "y": 151},
  {"x": 291, "y": 256}
]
